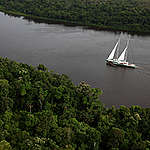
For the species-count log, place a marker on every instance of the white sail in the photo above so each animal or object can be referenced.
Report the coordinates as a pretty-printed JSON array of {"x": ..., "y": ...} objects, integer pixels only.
[
  {"x": 123, "y": 56},
  {"x": 122, "y": 60},
  {"x": 111, "y": 56}
]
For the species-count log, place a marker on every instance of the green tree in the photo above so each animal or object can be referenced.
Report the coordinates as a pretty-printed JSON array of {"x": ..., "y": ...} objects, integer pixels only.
[{"x": 4, "y": 145}]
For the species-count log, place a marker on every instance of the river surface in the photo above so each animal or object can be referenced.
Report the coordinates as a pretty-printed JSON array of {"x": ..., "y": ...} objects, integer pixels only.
[{"x": 80, "y": 54}]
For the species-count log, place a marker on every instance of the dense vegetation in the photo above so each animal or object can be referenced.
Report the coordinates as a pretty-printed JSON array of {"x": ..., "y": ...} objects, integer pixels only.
[
  {"x": 126, "y": 15},
  {"x": 42, "y": 110}
]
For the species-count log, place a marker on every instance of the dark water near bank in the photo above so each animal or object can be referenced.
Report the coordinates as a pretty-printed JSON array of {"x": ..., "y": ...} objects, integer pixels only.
[{"x": 81, "y": 55}]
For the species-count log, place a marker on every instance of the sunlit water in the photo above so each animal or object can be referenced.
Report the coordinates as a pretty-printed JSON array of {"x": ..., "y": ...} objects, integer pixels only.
[{"x": 81, "y": 55}]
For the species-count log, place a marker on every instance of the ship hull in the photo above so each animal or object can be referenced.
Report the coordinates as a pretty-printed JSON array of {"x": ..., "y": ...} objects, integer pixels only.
[{"x": 120, "y": 64}]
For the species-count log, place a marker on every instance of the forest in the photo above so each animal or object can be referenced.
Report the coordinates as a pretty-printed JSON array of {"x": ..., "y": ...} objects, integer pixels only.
[
  {"x": 124, "y": 15},
  {"x": 44, "y": 110}
]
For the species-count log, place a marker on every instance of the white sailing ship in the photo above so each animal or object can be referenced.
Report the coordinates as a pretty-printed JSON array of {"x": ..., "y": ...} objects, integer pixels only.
[{"x": 122, "y": 59}]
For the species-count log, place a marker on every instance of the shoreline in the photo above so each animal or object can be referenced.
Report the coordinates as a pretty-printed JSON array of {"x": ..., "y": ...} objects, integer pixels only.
[{"x": 38, "y": 19}]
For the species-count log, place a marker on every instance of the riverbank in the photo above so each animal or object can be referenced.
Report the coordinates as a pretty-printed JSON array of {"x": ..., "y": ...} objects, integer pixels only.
[
  {"x": 41, "y": 109},
  {"x": 39, "y": 19}
]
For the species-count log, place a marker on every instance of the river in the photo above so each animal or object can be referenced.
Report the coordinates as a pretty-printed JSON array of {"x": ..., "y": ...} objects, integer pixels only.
[{"x": 80, "y": 54}]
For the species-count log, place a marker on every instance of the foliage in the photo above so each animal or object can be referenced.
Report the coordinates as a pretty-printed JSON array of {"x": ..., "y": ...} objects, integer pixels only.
[
  {"x": 126, "y": 15},
  {"x": 4, "y": 145},
  {"x": 42, "y": 110}
]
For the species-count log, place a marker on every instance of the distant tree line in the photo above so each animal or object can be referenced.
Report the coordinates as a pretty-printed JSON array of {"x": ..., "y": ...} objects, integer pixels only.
[
  {"x": 43, "y": 110},
  {"x": 126, "y": 15}
]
